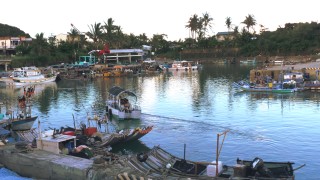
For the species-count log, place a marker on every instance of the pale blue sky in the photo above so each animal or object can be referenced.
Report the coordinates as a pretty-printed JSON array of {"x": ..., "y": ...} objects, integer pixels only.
[{"x": 150, "y": 16}]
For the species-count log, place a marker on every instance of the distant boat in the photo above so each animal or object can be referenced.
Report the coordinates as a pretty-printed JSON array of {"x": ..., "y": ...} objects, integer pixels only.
[
  {"x": 272, "y": 88},
  {"x": 278, "y": 62},
  {"x": 184, "y": 66},
  {"x": 149, "y": 60},
  {"x": 248, "y": 61},
  {"x": 27, "y": 76},
  {"x": 121, "y": 104}
]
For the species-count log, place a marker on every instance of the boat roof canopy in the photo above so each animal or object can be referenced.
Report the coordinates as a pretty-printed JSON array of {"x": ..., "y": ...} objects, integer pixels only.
[{"x": 117, "y": 91}]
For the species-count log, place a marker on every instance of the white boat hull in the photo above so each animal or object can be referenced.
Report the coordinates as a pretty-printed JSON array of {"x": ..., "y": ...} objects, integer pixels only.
[
  {"x": 25, "y": 81},
  {"x": 122, "y": 115},
  {"x": 192, "y": 68},
  {"x": 120, "y": 107}
]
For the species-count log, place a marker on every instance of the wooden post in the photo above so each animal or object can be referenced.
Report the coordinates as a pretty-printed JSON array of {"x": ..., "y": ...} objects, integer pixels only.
[
  {"x": 218, "y": 149},
  {"x": 217, "y": 155},
  {"x": 40, "y": 134}
]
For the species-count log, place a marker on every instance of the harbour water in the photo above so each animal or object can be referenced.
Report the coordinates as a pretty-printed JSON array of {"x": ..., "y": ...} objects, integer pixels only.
[
  {"x": 192, "y": 108},
  {"x": 6, "y": 174}
]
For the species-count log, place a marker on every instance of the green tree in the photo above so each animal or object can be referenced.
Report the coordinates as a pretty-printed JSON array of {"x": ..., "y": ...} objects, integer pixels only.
[
  {"x": 193, "y": 25},
  {"x": 207, "y": 22},
  {"x": 40, "y": 45},
  {"x": 228, "y": 23},
  {"x": 250, "y": 22},
  {"x": 110, "y": 29},
  {"x": 159, "y": 43},
  {"x": 95, "y": 33},
  {"x": 73, "y": 34}
]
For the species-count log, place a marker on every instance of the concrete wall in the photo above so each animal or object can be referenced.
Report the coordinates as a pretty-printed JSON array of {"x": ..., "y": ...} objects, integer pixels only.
[{"x": 43, "y": 165}]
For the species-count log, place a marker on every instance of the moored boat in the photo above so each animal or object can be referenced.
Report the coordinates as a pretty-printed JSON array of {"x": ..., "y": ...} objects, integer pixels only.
[
  {"x": 25, "y": 76},
  {"x": 184, "y": 65},
  {"x": 248, "y": 61},
  {"x": 287, "y": 87},
  {"x": 109, "y": 139},
  {"x": 121, "y": 104},
  {"x": 21, "y": 120},
  {"x": 161, "y": 163}
]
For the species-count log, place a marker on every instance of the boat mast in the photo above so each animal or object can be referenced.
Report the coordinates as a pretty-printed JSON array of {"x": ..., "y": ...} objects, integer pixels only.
[{"x": 224, "y": 134}]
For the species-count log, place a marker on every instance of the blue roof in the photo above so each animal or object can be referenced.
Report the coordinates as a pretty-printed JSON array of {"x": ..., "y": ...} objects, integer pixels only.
[
  {"x": 224, "y": 33},
  {"x": 126, "y": 51}
]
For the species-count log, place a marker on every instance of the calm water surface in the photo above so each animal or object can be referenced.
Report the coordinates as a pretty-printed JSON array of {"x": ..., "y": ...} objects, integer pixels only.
[{"x": 192, "y": 108}]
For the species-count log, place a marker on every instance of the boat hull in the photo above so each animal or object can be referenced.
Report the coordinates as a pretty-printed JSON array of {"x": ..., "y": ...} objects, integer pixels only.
[
  {"x": 270, "y": 90},
  {"x": 21, "y": 124},
  {"x": 121, "y": 104},
  {"x": 122, "y": 115},
  {"x": 25, "y": 82},
  {"x": 192, "y": 68},
  {"x": 158, "y": 161},
  {"x": 124, "y": 136}
]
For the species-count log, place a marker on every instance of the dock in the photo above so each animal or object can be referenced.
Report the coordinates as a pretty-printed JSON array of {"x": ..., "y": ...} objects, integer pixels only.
[
  {"x": 40, "y": 164},
  {"x": 44, "y": 165},
  {"x": 310, "y": 70}
]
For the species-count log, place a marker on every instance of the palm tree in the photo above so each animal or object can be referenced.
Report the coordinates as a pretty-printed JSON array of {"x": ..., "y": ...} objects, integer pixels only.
[
  {"x": 228, "y": 23},
  {"x": 118, "y": 36},
  {"x": 39, "y": 44},
  {"x": 73, "y": 34},
  {"x": 143, "y": 39},
  {"x": 249, "y": 21},
  {"x": 200, "y": 28},
  {"x": 109, "y": 29},
  {"x": 206, "y": 20},
  {"x": 193, "y": 25},
  {"x": 95, "y": 33},
  {"x": 158, "y": 42},
  {"x": 262, "y": 28}
]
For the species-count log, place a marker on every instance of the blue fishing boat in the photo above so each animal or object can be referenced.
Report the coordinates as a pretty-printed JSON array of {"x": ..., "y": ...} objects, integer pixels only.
[
  {"x": 22, "y": 119},
  {"x": 270, "y": 87}
]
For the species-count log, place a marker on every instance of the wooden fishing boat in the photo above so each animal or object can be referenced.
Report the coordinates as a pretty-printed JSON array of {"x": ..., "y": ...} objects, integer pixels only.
[
  {"x": 21, "y": 120},
  {"x": 109, "y": 139},
  {"x": 121, "y": 104},
  {"x": 158, "y": 163},
  {"x": 90, "y": 136}
]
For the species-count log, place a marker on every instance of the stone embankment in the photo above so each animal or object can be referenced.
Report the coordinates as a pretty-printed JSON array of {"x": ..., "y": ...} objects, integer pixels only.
[{"x": 39, "y": 164}]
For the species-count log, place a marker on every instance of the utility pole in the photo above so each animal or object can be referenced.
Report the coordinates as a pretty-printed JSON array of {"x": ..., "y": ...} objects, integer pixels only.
[{"x": 78, "y": 39}]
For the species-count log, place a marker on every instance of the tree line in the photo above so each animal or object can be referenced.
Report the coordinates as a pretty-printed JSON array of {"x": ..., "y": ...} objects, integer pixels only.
[{"x": 290, "y": 40}]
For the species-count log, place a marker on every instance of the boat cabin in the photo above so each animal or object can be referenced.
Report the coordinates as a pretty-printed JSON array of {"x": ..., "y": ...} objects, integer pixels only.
[
  {"x": 86, "y": 61},
  {"x": 56, "y": 144},
  {"x": 26, "y": 72}
]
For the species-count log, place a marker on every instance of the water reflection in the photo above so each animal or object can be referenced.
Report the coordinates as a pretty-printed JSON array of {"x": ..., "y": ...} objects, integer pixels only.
[{"x": 191, "y": 108}]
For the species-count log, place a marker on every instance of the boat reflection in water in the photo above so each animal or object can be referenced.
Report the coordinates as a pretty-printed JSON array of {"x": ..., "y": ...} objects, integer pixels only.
[
  {"x": 10, "y": 91},
  {"x": 16, "y": 114}
]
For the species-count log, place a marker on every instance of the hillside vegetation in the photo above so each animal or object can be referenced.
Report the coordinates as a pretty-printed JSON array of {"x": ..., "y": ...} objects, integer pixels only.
[
  {"x": 294, "y": 39},
  {"x": 7, "y": 30}
]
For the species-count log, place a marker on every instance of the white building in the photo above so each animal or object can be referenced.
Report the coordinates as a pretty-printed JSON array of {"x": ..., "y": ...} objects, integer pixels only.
[{"x": 8, "y": 44}]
